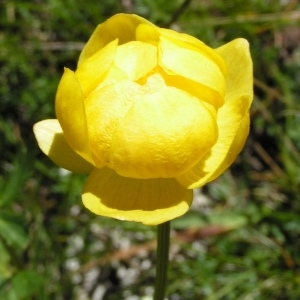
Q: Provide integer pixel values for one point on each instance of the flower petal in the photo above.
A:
(193, 65)
(149, 201)
(151, 34)
(239, 80)
(187, 41)
(119, 26)
(136, 59)
(93, 70)
(163, 135)
(70, 111)
(233, 124)
(147, 33)
(105, 108)
(51, 140)
(233, 117)
(202, 92)
(113, 76)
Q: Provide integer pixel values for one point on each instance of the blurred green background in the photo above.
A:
(241, 238)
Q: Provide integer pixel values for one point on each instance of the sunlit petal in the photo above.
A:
(163, 135)
(233, 117)
(233, 125)
(239, 80)
(105, 108)
(119, 26)
(70, 111)
(150, 201)
(51, 140)
(95, 68)
(151, 34)
(136, 59)
(148, 33)
(183, 40)
(202, 92)
(193, 65)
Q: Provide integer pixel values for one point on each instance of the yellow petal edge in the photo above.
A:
(51, 140)
(149, 201)
(70, 111)
(233, 117)
(120, 26)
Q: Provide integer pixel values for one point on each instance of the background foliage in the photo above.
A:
(240, 240)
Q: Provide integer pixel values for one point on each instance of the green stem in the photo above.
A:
(162, 260)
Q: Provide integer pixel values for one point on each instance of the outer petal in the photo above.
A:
(163, 135)
(151, 34)
(233, 124)
(70, 111)
(136, 59)
(105, 108)
(150, 201)
(93, 70)
(120, 26)
(233, 117)
(239, 81)
(202, 92)
(187, 41)
(51, 140)
(192, 47)
(147, 33)
(193, 65)
(114, 76)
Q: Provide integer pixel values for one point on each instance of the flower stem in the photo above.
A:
(162, 260)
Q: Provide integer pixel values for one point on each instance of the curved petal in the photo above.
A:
(233, 116)
(149, 201)
(105, 108)
(163, 135)
(136, 59)
(93, 70)
(51, 140)
(233, 124)
(235, 147)
(202, 92)
(151, 34)
(239, 80)
(119, 26)
(113, 76)
(187, 41)
(193, 65)
(147, 33)
(70, 111)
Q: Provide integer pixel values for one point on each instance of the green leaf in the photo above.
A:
(11, 231)
(24, 285)
(190, 219)
(13, 184)
(229, 219)
(6, 270)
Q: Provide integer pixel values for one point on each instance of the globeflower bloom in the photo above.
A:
(149, 114)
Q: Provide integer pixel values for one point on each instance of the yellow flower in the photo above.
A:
(149, 114)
